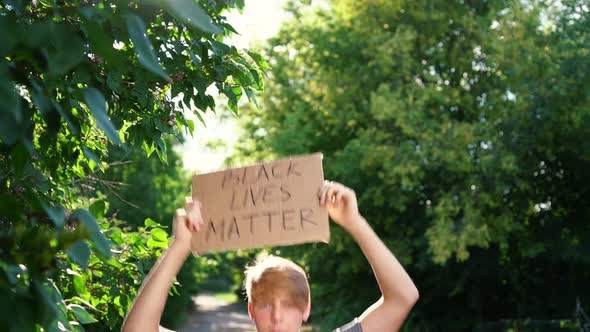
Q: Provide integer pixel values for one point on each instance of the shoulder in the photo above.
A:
(354, 326)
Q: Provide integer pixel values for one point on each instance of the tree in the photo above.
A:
(76, 79)
(139, 187)
(462, 128)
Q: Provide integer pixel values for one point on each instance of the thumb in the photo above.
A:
(180, 218)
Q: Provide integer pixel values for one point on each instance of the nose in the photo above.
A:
(276, 312)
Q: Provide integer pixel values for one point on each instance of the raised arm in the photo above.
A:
(148, 306)
(399, 294)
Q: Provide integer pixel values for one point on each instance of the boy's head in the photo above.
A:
(278, 294)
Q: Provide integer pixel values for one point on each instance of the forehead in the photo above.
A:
(280, 281)
(274, 295)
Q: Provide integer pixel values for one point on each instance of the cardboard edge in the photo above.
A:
(258, 163)
(205, 252)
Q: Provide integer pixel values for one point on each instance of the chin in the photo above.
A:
(280, 329)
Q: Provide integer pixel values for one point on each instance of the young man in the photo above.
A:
(278, 292)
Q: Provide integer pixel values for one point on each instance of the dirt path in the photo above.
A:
(214, 315)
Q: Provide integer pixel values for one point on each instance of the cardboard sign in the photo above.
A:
(268, 204)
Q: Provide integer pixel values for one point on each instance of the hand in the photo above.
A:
(187, 221)
(341, 203)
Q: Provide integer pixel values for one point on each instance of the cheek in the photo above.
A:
(261, 316)
(295, 317)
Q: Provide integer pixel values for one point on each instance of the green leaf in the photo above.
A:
(67, 50)
(83, 74)
(9, 132)
(190, 124)
(115, 263)
(99, 240)
(153, 244)
(196, 61)
(258, 82)
(43, 103)
(38, 35)
(192, 13)
(71, 121)
(52, 298)
(8, 34)
(98, 208)
(143, 47)
(159, 235)
(13, 272)
(251, 97)
(9, 205)
(98, 107)
(233, 95)
(161, 149)
(55, 213)
(81, 314)
(149, 222)
(9, 110)
(259, 60)
(149, 148)
(115, 235)
(90, 155)
(229, 28)
(100, 41)
(20, 158)
(220, 48)
(79, 253)
(79, 283)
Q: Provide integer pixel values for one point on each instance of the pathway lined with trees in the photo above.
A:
(215, 315)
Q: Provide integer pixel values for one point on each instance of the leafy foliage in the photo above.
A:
(76, 79)
(462, 127)
(103, 291)
(140, 189)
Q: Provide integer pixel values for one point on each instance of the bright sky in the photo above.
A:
(259, 21)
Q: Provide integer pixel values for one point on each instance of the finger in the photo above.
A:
(322, 192)
(199, 221)
(331, 195)
(188, 224)
(188, 204)
(339, 196)
(195, 223)
(326, 194)
(197, 214)
(179, 217)
(180, 214)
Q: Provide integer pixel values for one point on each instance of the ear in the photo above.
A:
(307, 311)
(250, 310)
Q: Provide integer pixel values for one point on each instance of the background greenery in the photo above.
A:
(462, 126)
(90, 89)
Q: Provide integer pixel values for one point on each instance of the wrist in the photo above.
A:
(181, 247)
(353, 223)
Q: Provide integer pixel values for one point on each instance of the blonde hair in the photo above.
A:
(271, 275)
